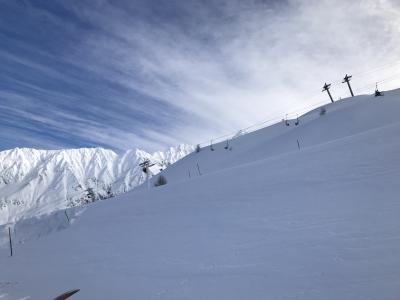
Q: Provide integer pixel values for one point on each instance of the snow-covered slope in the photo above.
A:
(343, 119)
(264, 220)
(35, 182)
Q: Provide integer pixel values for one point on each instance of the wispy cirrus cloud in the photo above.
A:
(124, 74)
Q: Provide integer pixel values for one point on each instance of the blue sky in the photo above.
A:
(149, 74)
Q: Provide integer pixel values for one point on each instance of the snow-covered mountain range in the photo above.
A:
(35, 182)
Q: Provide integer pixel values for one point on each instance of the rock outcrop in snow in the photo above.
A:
(35, 182)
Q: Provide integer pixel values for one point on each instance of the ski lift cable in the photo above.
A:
(377, 68)
(271, 121)
(365, 87)
(311, 106)
(372, 84)
(277, 119)
(371, 70)
(390, 78)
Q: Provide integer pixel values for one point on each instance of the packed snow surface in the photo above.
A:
(36, 182)
(264, 220)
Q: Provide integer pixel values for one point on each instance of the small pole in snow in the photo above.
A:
(9, 235)
(198, 169)
(65, 211)
(347, 79)
(189, 173)
(326, 88)
(97, 188)
(298, 144)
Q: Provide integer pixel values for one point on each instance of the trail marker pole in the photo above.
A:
(65, 211)
(9, 236)
(298, 144)
(326, 88)
(346, 79)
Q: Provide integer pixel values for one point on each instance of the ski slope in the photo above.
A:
(265, 220)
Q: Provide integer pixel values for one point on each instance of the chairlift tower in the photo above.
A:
(346, 79)
(326, 88)
(145, 165)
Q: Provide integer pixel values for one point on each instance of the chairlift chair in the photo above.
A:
(297, 121)
(377, 92)
(227, 145)
(287, 121)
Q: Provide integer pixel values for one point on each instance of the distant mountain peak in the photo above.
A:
(34, 182)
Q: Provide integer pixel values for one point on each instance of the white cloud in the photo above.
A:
(226, 65)
(252, 63)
